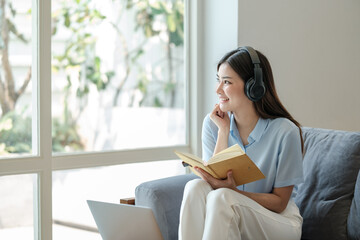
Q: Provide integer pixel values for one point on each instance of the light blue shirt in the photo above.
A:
(274, 146)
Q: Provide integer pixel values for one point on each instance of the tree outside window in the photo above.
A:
(109, 58)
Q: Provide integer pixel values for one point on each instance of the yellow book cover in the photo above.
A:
(234, 158)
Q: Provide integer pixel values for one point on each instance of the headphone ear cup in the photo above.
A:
(248, 86)
(254, 91)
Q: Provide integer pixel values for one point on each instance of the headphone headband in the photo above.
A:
(254, 87)
(253, 55)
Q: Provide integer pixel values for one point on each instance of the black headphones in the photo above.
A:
(254, 87)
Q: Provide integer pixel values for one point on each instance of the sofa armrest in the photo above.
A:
(164, 197)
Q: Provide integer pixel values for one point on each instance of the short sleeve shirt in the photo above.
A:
(274, 145)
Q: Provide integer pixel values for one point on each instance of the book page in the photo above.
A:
(233, 148)
(228, 153)
(189, 155)
(195, 161)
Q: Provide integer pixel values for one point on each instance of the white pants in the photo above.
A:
(225, 214)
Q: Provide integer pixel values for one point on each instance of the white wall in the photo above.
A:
(313, 47)
(219, 26)
(315, 54)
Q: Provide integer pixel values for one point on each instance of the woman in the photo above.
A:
(249, 113)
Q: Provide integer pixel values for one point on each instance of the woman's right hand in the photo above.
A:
(220, 118)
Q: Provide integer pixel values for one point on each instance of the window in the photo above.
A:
(118, 74)
(17, 206)
(83, 119)
(15, 78)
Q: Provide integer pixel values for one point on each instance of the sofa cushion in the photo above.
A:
(164, 197)
(331, 164)
(354, 216)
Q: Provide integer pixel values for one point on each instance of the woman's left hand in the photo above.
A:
(215, 183)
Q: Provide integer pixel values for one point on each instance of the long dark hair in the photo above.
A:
(270, 105)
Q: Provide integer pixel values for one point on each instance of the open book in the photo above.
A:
(234, 158)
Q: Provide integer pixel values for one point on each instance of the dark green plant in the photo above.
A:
(15, 135)
(65, 136)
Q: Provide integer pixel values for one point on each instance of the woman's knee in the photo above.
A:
(219, 196)
(226, 196)
(197, 186)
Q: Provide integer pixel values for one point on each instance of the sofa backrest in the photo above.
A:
(331, 167)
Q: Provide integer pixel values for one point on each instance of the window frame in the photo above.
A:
(43, 162)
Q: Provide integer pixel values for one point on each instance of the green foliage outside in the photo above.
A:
(77, 17)
(15, 133)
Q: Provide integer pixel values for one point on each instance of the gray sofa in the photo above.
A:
(329, 198)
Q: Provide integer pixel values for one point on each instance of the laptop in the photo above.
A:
(124, 222)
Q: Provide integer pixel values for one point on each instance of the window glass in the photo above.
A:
(117, 74)
(15, 78)
(17, 206)
(71, 189)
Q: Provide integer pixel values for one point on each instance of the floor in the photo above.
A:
(59, 233)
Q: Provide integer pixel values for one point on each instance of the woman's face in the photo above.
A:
(230, 90)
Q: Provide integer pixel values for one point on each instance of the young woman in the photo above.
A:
(249, 113)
